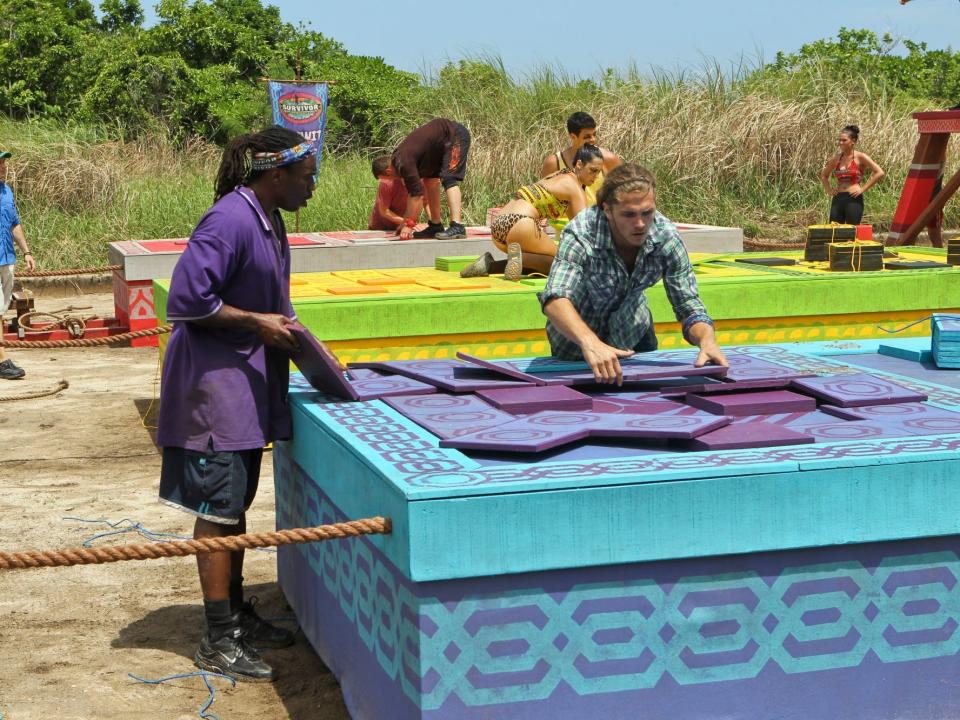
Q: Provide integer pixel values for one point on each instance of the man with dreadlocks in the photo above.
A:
(609, 255)
(226, 374)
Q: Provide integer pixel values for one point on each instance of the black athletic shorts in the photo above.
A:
(846, 209)
(455, 158)
(217, 486)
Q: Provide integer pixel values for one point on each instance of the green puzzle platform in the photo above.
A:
(419, 313)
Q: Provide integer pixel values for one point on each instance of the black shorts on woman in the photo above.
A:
(846, 209)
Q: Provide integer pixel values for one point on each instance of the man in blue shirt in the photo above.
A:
(10, 230)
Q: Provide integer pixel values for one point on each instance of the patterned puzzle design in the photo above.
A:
(416, 465)
(546, 430)
(450, 416)
(857, 390)
(622, 629)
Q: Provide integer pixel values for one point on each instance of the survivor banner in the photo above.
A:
(301, 107)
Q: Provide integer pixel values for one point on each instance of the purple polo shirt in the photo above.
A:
(222, 383)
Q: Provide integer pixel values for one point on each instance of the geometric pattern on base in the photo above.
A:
(489, 646)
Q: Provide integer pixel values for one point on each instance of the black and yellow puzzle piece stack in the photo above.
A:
(855, 256)
(953, 251)
(820, 236)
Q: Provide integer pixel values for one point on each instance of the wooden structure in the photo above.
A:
(919, 205)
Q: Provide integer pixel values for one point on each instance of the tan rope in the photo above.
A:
(182, 548)
(61, 386)
(69, 271)
(88, 342)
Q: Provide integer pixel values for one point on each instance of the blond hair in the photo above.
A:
(623, 179)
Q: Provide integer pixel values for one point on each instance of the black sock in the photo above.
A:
(236, 594)
(219, 618)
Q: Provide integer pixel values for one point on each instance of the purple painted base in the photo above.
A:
(854, 632)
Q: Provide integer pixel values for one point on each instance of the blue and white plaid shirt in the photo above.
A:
(590, 273)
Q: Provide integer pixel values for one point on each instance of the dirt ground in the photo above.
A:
(70, 636)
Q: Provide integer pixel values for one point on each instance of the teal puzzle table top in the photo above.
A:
(656, 502)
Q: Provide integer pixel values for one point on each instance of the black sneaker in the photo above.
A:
(231, 655)
(456, 231)
(430, 231)
(10, 371)
(261, 634)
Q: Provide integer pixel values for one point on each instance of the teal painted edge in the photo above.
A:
(706, 517)
(307, 404)
(359, 489)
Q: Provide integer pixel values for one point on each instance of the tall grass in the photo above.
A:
(741, 149)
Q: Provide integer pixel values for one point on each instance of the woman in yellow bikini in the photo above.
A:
(517, 229)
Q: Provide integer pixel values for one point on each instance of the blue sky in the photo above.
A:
(586, 36)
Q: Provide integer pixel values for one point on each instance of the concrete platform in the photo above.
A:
(369, 249)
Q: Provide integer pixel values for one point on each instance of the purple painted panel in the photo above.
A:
(372, 385)
(318, 365)
(634, 373)
(649, 403)
(449, 375)
(520, 436)
(913, 418)
(502, 368)
(827, 428)
(663, 427)
(728, 387)
(754, 403)
(747, 367)
(536, 398)
(856, 390)
(448, 416)
(749, 435)
(546, 430)
(842, 413)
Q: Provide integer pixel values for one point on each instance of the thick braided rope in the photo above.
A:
(62, 385)
(87, 342)
(70, 271)
(182, 548)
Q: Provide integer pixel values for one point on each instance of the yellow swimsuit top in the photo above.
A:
(544, 202)
(589, 190)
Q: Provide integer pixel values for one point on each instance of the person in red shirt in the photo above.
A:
(392, 197)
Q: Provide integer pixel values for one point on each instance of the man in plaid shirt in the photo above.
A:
(609, 255)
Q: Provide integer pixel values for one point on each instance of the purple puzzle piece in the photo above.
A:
(647, 403)
(727, 387)
(633, 373)
(526, 434)
(449, 416)
(547, 430)
(502, 368)
(915, 418)
(827, 428)
(318, 364)
(663, 427)
(449, 375)
(746, 367)
(856, 390)
(373, 385)
(749, 435)
(766, 402)
(536, 398)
